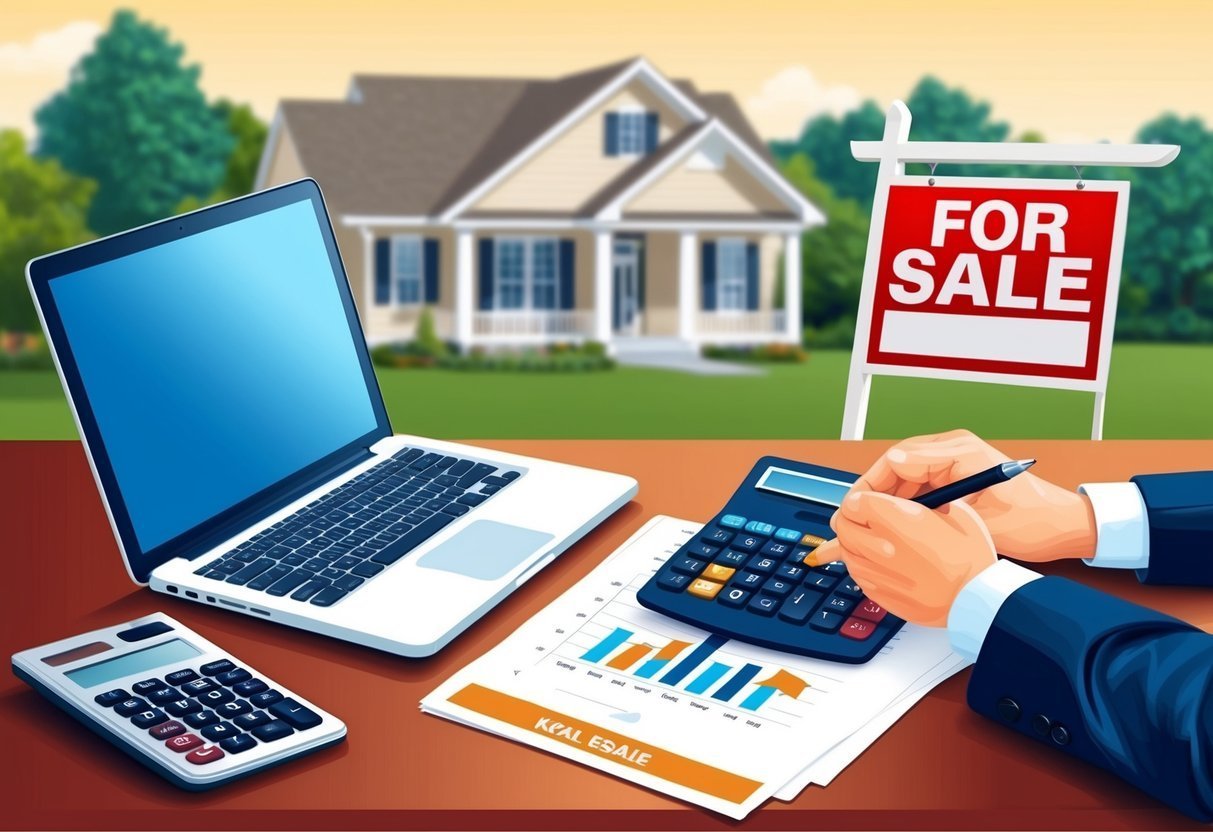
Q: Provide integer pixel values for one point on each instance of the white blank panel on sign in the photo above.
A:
(986, 338)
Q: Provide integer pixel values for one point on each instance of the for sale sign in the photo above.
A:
(998, 280)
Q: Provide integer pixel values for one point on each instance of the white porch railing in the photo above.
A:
(533, 323)
(767, 322)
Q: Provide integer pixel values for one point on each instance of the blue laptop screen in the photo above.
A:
(216, 365)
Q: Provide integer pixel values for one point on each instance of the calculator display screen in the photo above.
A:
(169, 652)
(804, 486)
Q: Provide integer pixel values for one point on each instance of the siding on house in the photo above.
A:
(284, 164)
(686, 188)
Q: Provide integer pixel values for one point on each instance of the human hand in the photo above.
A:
(1029, 518)
(909, 559)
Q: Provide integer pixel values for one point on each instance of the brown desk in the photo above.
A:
(940, 767)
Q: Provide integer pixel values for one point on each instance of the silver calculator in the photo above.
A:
(177, 703)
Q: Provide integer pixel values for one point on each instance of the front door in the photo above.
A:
(626, 269)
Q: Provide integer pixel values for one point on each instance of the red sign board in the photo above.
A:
(1014, 278)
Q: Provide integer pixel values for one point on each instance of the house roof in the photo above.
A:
(415, 145)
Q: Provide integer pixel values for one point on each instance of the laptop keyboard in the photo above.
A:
(334, 545)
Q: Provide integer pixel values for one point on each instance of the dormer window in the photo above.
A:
(630, 133)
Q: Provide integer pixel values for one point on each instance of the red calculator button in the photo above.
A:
(167, 729)
(202, 756)
(183, 742)
(869, 610)
(857, 628)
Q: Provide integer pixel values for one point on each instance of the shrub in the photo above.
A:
(24, 351)
(764, 354)
(557, 358)
(837, 334)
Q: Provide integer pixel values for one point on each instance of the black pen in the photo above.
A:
(954, 491)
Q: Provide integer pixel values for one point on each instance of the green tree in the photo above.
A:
(827, 139)
(42, 208)
(248, 136)
(133, 118)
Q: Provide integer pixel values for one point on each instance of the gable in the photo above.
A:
(563, 175)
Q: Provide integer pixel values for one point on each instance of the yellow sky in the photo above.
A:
(1074, 70)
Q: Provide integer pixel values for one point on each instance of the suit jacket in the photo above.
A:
(1180, 512)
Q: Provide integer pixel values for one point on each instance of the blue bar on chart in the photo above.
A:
(758, 698)
(663, 657)
(736, 682)
(603, 648)
(708, 678)
(696, 657)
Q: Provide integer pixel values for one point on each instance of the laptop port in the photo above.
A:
(189, 593)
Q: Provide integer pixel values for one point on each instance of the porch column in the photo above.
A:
(688, 268)
(792, 296)
(368, 273)
(463, 288)
(602, 287)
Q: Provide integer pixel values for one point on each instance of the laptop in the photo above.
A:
(227, 403)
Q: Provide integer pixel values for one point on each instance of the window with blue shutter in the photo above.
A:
(568, 274)
(707, 269)
(732, 274)
(751, 276)
(383, 272)
(430, 258)
(650, 132)
(611, 134)
(630, 133)
(486, 273)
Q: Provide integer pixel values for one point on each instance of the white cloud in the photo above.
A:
(52, 51)
(792, 96)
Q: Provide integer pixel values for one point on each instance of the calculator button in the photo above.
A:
(869, 610)
(717, 537)
(182, 707)
(758, 527)
(183, 742)
(275, 729)
(748, 543)
(299, 716)
(251, 720)
(143, 631)
(777, 587)
(220, 731)
(704, 589)
(265, 698)
(732, 521)
(839, 604)
(149, 718)
(734, 596)
(221, 666)
(202, 756)
(812, 541)
(215, 697)
(762, 564)
(238, 743)
(798, 555)
(732, 558)
(791, 572)
(788, 535)
(687, 566)
(716, 572)
(764, 605)
(147, 686)
(249, 687)
(857, 629)
(130, 706)
(201, 719)
(167, 729)
(231, 677)
(775, 549)
(231, 709)
(180, 677)
(673, 581)
(749, 580)
(799, 606)
(198, 686)
(823, 582)
(702, 551)
(111, 697)
(849, 588)
(836, 567)
(826, 621)
(159, 697)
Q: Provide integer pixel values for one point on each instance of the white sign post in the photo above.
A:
(1009, 281)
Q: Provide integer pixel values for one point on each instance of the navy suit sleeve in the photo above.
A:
(1120, 686)
(1180, 512)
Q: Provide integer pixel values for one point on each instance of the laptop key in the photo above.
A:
(455, 510)
(305, 592)
(472, 499)
(425, 462)
(251, 571)
(411, 540)
(290, 582)
(478, 472)
(367, 569)
(348, 583)
(327, 597)
(346, 562)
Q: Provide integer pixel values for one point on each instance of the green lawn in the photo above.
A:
(1157, 391)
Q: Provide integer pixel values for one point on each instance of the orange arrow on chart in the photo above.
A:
(785, 683)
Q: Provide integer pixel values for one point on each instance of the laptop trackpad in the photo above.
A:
(485, 550)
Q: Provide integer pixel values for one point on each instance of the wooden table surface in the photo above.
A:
(940, 767)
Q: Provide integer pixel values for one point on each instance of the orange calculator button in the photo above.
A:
(716, 572)
(706, 590)
(812, 540)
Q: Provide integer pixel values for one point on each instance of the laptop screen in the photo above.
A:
(217, 364)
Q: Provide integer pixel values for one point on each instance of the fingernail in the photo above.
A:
(811, 560)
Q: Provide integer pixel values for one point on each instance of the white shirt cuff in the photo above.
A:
(1123, 531)
(978, 603)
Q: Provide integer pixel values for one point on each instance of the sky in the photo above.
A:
(1072, 69)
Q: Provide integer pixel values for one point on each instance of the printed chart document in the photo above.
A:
(602, 681)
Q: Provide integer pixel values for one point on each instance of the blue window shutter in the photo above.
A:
(707, 268)
(383, 272)
(568, 274)
(641, 278)
(650, 132)
(611, 137)
(486, 273)
(431, 269)
(751, 276)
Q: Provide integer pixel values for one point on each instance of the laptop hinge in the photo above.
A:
(257, 513)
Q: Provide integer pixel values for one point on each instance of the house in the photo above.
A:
(613, 205)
